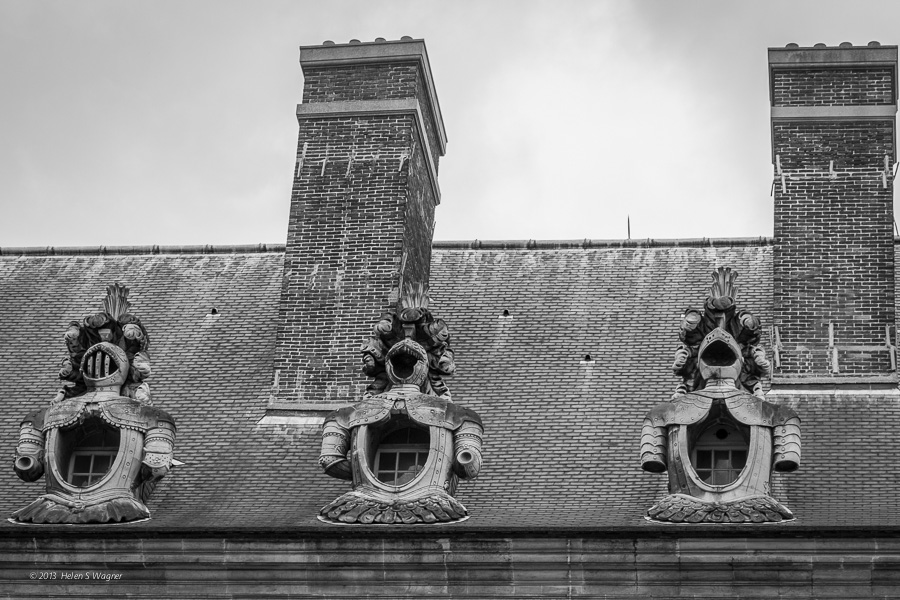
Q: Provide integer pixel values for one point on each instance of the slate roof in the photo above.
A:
(561, 442)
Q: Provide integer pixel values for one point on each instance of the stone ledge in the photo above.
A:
(873, 385)
(304, 414)
(819, 113)
(813, 58)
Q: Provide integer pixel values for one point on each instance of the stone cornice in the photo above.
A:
(400, 106)
(821, 113)
(840, 57)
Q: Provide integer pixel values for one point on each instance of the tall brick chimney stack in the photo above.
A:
(833, 139)
(362, 210)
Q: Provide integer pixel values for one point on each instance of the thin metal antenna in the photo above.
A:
(629, 226)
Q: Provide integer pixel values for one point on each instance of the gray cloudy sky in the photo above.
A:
(172, 122)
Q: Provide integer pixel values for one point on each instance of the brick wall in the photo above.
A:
(362, 209)
(833, 87)
(833, 252)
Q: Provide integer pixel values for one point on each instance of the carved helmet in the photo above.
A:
(720, 356)
(407, 363)
(104, 365)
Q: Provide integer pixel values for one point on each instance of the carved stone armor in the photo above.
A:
(101, 452)
(404, 449)
(725, 480)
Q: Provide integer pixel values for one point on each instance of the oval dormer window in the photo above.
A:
(719, 449)
(402, 453)
(86, 453)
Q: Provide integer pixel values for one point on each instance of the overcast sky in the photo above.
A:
(174, 122)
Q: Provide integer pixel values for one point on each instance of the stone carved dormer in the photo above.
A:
(406, 444)
(101, 444)
(718, 441)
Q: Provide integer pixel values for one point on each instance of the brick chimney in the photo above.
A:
(362, 211)
(833, 140)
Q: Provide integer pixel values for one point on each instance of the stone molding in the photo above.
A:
(868, 56)
(823, 113)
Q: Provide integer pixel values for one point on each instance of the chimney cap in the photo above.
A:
(820, 55)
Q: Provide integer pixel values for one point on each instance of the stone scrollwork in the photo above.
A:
(101, 444)
(406, 444)
(717, 438)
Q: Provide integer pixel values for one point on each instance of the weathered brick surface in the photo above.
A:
(834, 253)
(833, 87)
(360, 226)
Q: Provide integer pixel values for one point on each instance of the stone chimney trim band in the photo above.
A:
(400, 106)
(380, 52)
(834, 56)
(816, 113)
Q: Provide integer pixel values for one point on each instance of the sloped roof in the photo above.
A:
(562, 434)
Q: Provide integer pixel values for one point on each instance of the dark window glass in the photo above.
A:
(720, 453)
(86, 452)
(401, 455)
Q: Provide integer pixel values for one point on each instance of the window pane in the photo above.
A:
(704, 475)
(387, 461)
(721, 459)
(738, 458)
(722, 477)
(408, 476)
(80, 480)
(101, 464)
(407, 460)
(704, 459)
(82, 463)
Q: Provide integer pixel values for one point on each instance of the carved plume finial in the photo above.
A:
(415, 295)
(116, 302)
(723, 283)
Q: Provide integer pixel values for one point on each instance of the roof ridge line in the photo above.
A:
(592, 243)
(155, 249)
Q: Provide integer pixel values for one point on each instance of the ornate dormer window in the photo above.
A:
(406, 445)
(101, 444)
(88, 451)
(719, 448)
(402, 452)
(717, 437)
